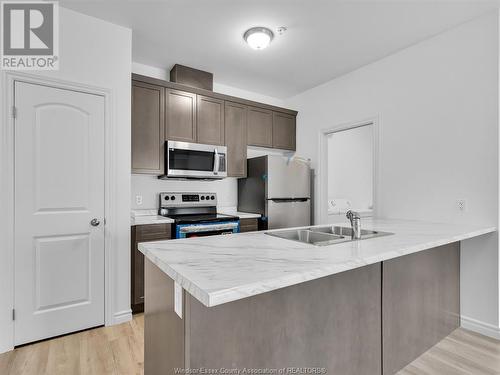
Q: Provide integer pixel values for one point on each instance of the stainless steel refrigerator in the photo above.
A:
(279, 189)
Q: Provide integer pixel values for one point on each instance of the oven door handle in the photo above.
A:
(216, 161)
(207, 228)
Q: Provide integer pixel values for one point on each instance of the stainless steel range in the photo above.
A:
(195, 215)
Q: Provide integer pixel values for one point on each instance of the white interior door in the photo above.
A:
(59, 189)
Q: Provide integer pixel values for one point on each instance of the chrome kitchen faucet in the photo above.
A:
(355, 219)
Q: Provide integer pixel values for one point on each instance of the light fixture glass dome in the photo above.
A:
(258, 37)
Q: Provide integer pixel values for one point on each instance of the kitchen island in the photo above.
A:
(261, 303)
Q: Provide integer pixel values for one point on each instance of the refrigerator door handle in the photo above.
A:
(288, 200)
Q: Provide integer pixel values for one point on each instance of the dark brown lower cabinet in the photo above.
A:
(249, 225)
(143, 233)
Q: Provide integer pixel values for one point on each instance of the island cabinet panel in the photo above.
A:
(143, 233)
(420, 303)
(181, 116)
(284, 131)
(235, 116)
(148, 110)
(260, 127)
(164, 337)
(332, 322)
(209, 120)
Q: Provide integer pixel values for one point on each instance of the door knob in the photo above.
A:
(95, 222)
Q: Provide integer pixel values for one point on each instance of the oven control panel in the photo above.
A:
(188, 199)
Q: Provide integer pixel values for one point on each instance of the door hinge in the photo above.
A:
(13, 314)
(14, 112)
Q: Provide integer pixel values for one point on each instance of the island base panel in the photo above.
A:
(420, 304)
(332, 322)
(370, 320)
(163, 328)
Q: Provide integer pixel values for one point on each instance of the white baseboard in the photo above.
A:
(477, 326)
(122, 317)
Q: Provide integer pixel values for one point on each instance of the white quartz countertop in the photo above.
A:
(144, 217)
(242, 215)
(221, 269)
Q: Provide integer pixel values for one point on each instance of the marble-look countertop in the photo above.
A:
(144, 217)
(234, 212)
(221, 269)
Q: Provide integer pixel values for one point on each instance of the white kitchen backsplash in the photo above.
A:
(150, 186)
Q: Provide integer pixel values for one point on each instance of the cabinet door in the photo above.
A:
(249, 225)
(260, 127)
(209, 120)
(235, 116)
(143, 233)
(283, 131)
(181, 116)
(148, 109)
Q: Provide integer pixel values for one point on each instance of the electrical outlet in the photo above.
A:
(138, 200)
(461, 204)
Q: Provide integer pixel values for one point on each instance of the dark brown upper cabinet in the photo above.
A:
(181, 116)
(235, 116)
(260, 127)
(148, 110)
(209, 120)
(284, 131)
(163, 110)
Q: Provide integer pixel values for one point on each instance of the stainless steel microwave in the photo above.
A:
(194, 160)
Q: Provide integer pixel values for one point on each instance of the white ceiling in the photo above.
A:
(325, 39)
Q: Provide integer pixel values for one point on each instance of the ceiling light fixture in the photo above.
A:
(258, 37)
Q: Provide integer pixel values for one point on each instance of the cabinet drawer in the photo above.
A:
(153, 232)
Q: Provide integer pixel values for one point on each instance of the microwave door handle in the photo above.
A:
(216, 161)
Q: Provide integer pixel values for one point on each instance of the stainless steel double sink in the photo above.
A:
(325, 235)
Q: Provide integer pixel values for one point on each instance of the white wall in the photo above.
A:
(164, 74)
(97, 53)
(350, 166)
(227, 190)
(437, 105)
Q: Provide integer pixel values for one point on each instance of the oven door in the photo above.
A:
(193, 160)
(206, 229)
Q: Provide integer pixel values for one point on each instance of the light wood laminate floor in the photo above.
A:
(119, 350)
(100, 351)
